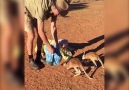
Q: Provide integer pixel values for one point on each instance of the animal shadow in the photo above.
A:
(90, 64)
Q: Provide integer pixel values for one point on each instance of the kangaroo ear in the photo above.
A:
(84, 53)
(83, 56)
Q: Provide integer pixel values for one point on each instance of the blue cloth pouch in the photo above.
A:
(53, 58)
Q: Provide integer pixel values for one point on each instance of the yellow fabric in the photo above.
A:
(44, 46)
(65, 53)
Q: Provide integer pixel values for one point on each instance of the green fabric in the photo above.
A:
(39, 9)
(65, 53)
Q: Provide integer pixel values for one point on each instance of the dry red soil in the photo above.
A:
(84, 28)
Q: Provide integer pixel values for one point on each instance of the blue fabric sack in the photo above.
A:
(53, 58)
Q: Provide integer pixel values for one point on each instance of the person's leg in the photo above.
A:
(39, 44)
(39, 48)
(30, 38)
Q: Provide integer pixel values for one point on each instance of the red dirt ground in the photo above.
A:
(85, 22)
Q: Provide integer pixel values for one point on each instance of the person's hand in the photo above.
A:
(51, 50)
(57, 46)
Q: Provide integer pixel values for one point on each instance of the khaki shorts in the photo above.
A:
(30, 22)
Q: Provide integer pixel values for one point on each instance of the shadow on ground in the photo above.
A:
(108, 41)
(78, 6)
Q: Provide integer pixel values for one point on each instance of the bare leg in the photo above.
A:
(39, 43)
(94, 63)
(30, 39)
(77, 72)
(85, 72)
(39, 48)
(101, 62)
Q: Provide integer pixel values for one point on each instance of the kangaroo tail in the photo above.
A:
(85, 72)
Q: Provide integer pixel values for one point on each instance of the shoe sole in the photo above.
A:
(33, 67)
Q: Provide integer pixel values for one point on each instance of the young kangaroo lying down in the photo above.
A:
(113, 66)
(76, 64)
(93, 57)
